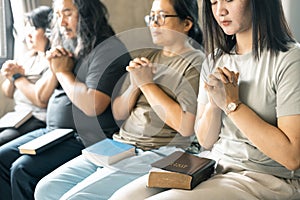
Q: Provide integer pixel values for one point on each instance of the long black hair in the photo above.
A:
(270, 29)
(188, 9)
(92, 27)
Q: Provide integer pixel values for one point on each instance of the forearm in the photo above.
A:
(169, 110)
(89, 101)
(8, 88)
(280, 144)
(29, 90)
(45, 87)
(124, 103)
(208, 125)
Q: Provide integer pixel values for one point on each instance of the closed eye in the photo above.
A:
(213, 2)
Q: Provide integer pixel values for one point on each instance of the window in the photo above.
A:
(6, 31)
(3, 32)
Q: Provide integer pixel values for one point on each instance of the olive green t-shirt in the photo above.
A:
(178, 77)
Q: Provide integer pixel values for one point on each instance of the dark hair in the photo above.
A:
(40, 17)
(270, 29)
(188, 9)
(92, 27)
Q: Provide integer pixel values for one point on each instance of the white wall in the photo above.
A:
(129, 14)
(292, 13)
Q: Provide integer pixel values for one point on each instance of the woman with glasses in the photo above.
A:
(250, 87)
(157, 102)
(23, 77)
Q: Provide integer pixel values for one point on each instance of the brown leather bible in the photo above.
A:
(180, 170)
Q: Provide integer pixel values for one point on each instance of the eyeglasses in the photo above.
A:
(159, 19)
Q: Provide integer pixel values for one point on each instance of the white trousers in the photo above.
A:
(80, 179)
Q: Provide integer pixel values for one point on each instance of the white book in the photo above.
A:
(46, 141)
(15, 119)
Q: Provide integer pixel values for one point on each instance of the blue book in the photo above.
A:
(108, 151)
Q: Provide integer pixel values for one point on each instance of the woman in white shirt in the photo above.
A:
(23, 78)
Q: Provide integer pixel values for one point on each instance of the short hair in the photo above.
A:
(270, 29)
(40, 17)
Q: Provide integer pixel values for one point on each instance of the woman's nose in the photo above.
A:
(221, 9)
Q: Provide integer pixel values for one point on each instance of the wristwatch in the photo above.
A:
(16, 76)
(231, 107)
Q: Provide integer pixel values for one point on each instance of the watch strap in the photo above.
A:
(16, 76)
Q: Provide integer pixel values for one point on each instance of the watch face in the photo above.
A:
(231, 106)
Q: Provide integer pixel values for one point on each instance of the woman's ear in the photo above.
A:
(188, 24)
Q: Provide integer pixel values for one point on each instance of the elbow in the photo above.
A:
(293, 165)
(42, 104)
(186, 125)
(118, 117)
(41, 101)
(205, 145)
(118, 113)
(186, 132)
(92, 112)
(293, 161)
(94, 106)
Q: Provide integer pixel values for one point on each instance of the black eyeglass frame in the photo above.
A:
(154, 18)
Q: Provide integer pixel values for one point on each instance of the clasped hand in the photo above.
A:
(141, 72)
(11, 67)
(222, 87)
(60, 60)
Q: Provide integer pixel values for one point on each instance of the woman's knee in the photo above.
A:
(136, 189)
(42, 189)
(19, 172)
(49, 188)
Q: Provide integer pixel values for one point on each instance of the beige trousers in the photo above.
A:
(243, 185)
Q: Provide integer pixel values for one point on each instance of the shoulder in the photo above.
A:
(283, 60)
(112, 46)
(289, 60)
(196, 56)
(108, 52)
(293, 53)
